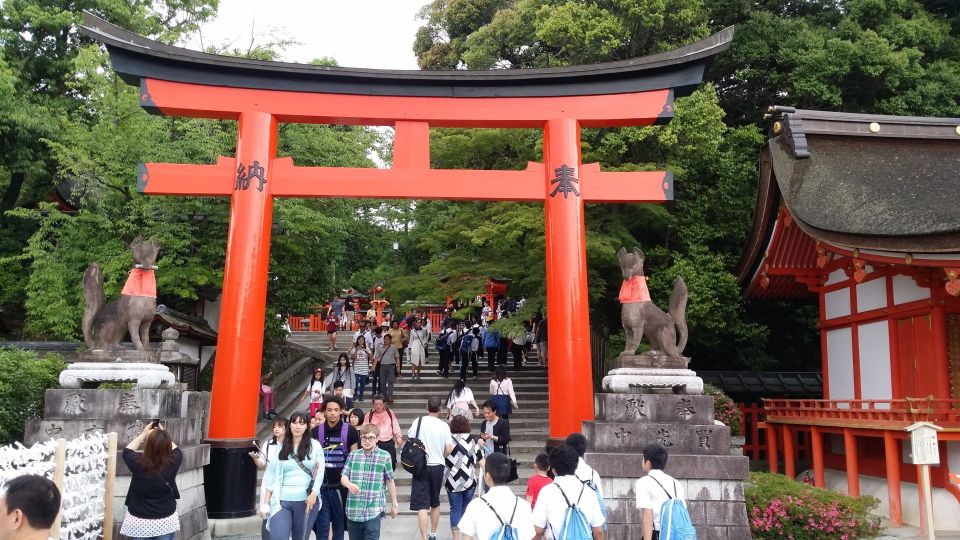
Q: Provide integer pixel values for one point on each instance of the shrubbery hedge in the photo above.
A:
(782, 508)
(24, 376)
(725, 409)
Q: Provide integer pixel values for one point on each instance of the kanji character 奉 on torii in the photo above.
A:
(178, 82)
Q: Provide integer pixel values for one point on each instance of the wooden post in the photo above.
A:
(59, 472)
(853, 466)
(111, 478)
(891, 452)
(789, 467)
(926, 496)
(816, 449)
(772, 456)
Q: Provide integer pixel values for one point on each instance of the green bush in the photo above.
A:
(725, 409)
(780, 507)
(24, 376)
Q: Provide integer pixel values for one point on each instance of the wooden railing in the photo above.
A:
(876, 412)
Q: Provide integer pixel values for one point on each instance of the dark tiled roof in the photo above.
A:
(748, 386)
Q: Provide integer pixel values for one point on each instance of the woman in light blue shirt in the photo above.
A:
(293, 481)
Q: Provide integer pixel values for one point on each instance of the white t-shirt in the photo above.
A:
(462, 401)
(652, 496)
(585, 472)
(551, 506)
(435, 434)
(479, 522)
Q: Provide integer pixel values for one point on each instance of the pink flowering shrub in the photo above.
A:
(725, 409)
(779, 507)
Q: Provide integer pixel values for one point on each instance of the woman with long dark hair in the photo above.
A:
(459, 400)
(293, 482)
(501, 393)
(344, 373)
(265, 455)
(152, 498)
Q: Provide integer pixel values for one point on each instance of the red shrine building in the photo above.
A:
(860, 213)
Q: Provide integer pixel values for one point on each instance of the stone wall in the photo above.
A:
(699, 458)
(69, 413)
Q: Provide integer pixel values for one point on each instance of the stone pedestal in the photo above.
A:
(699, 456)
(69, 413)
(145, 375)
(643, 380)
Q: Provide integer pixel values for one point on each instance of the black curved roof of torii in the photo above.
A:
(135, 57)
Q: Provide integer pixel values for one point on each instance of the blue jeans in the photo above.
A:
(458, 504)
(292, 520)
(331, 513)
(364, 530)
(361, 386)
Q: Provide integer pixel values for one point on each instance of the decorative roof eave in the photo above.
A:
(135, 57)
(187, 326)
(773, 220)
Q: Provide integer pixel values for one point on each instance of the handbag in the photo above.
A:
(514, 474)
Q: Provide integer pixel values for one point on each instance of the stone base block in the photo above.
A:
(662, 408)
(652, 359)
(677, 438)
(652, 381)
(182, 430)
(145, 375)
(135, 404)
(629, 465)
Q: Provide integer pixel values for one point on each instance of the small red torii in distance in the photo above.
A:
(259, 95)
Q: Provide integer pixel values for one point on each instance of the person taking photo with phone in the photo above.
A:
(152, 498)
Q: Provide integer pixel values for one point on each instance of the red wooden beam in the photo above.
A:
(226, 103)
(288, 180)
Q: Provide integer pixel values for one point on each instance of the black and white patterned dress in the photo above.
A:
(461, 470)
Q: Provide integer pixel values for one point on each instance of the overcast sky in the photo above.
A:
(357, 33)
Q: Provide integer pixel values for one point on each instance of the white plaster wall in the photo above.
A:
(946, 509)
(205, 355)
(872, 295)
(875, 376)
(190, 347)
(905, 289)
(836, 277)
(836, 303)
(211, 312)
(840, 363)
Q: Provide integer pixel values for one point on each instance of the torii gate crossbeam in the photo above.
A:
(179, 82)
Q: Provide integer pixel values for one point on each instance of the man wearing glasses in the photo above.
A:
(364, 475)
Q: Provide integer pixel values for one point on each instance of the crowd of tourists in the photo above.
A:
(333, 474)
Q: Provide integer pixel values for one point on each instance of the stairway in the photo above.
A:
(529, 426)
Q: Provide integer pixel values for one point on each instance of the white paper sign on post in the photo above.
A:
(923, 443)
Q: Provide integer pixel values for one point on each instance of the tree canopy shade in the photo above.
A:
(898, 57)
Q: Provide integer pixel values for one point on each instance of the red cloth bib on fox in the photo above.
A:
(634, 290)
(140, 282)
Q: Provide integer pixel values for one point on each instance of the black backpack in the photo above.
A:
(413, 456)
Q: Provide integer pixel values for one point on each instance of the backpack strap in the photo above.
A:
(490, 506)
(344, 441)
(665, 489)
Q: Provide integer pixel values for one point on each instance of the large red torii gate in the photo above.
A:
(179, 82)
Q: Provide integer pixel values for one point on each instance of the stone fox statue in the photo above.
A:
(666, 332)
(105, 324)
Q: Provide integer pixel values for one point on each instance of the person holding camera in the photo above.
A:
(152, 498)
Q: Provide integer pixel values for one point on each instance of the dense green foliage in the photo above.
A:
(66, 122)
(780, 507)
(24, 377)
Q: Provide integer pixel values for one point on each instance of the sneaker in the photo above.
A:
(432, 536)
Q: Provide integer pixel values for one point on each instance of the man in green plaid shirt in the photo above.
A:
(364, 475)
